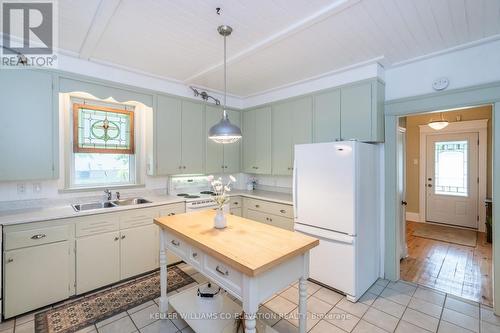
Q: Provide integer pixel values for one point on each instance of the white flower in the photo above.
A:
(232, 178)
(227, 188)
(210, 178)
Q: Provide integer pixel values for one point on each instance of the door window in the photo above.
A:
(451, 162)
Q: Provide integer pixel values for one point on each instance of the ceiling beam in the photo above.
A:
(103, 15)
(325, 12)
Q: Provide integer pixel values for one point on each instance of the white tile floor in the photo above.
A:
(386, 307)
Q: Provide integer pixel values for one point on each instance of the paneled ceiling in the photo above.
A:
(274, 43)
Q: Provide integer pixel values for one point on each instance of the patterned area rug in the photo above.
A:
(446, 234)
(90, 309)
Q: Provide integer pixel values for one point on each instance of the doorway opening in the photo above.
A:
(445, 185)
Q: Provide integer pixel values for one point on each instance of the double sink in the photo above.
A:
(109, 204)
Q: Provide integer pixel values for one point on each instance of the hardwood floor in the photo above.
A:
(456, 269)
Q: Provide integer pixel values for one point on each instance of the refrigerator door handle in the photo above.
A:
(294, 185)
(325, 234)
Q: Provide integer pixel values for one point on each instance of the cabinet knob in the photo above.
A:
(235, 203)
(257, 206)
(123, 236)
(10, 260)
(184, 167)
(117, 238)
(170, 214)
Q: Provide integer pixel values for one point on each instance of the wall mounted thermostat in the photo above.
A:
(441, 83)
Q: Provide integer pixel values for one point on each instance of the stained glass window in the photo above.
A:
(451, 166)
(102, 130)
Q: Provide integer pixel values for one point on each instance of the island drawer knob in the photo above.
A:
(39, 236)
(220, 271)
(117, 238)
(174, 242)
(195, 255)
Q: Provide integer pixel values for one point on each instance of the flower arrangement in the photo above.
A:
(221, 191)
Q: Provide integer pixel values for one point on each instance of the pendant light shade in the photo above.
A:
(224, 132)
(438, 124)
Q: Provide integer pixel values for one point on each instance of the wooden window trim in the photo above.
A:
(77, 149)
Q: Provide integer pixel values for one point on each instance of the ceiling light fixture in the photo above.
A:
(224, 132)
(438, 124)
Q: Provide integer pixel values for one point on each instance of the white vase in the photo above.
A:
(220, 221)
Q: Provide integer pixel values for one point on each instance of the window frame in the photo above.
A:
(70, 183)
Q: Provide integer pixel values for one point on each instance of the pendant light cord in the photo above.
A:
(224, 113)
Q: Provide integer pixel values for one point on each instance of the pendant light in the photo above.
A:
(438, 124)
(224, 132)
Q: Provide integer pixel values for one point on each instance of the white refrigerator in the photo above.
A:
(336, 198)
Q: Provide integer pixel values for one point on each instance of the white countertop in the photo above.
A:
(61, 211)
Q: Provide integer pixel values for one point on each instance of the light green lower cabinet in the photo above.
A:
(139, 249)
(271, 213)
(97, 261)
(36, 276)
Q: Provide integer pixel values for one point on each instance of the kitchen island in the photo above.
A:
(251, 260)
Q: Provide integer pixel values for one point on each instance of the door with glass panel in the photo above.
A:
(452, 179)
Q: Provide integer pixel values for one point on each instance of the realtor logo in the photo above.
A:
(28, 34)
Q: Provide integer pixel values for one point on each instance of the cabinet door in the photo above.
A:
(232, 150)
(263, 147)
(356, 106)
(139, 250)
(327, 116)
(36, 276)
(214, 153)
(235, 211)
(256, 216)
(282, 138)
(248, 141)
(167, 124)
(193, 138)
(29, 130)
(97, 261)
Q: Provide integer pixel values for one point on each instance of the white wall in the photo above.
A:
(464, 67)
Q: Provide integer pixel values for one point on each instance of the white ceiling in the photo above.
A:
(274, 43)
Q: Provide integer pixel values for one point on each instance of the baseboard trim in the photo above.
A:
(414, 217)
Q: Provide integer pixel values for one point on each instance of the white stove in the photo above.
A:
(195, 190)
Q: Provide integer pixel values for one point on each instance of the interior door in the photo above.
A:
(452, 179)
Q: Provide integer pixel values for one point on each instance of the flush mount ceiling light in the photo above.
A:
(438, 124)
(224, 131)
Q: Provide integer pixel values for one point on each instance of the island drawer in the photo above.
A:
(39, 236)
(96, 224)
(137, 217)
(195, 257)
(224, 275)
(177, 245)
(269, 207)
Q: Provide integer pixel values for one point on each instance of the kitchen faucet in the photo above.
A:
(109, 194)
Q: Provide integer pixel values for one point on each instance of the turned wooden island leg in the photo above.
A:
(250, 304)
(163, 276)
(302, 305)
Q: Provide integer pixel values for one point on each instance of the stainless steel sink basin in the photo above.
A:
(93, 205)
(130, 201)
(109, 204)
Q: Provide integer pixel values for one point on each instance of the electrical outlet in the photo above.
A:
(37, 187)
(21, 188)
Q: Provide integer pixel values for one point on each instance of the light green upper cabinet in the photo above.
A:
(167, 131)
(257, 141)
(193, 138)
(327, 116)
(232, 155)
(362, 112)
(29, 135)
(175, 137)
(214, 161)
(291, 125)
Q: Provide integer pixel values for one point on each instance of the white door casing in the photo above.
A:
(452, 179)
(401, 160)
(471, 126)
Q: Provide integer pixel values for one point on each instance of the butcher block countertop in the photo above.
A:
(249, 247)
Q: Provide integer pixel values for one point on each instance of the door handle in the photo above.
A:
(404, 203)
